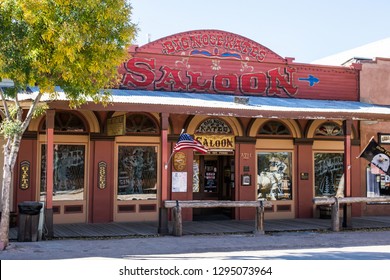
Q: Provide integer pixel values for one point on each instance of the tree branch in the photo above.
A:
(30, 112)
(6, 109)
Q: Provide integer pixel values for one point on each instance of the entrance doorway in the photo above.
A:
(215, 175)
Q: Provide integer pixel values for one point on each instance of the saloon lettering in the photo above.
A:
(216, 141)
(142, 73)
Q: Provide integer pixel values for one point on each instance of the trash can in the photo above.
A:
(28, 220)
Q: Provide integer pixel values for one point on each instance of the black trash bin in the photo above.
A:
(28, 220)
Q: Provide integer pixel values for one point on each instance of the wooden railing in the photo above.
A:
(335, 202)
(177, 205)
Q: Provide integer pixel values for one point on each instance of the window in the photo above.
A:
(137, 172)
(378, 183)
(274, 128)
(274, 172)
(195, 177)
(69, 171)
(329, 129)
(67, 122)
(328, 174)
(140, 123)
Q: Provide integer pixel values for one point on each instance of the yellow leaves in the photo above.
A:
(73, 44)
(32, 9)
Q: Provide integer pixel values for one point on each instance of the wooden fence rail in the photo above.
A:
(335, 202)
(177, 205)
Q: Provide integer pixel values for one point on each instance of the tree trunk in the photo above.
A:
(11, 150)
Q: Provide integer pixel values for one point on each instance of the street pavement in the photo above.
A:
(362, 244)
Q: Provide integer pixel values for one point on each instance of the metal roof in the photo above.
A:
(372, 50)
(230, 105)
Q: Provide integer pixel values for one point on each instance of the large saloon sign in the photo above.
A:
(212, 61)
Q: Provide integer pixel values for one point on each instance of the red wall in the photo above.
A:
(186, 212)
(101, 200)
(27, 152)
(212, 61)
(245, 158)
(304, 188)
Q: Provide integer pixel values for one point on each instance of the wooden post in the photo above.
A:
(347, 208)
(49, 223)
(177, 220)
(335, 215)
(259, 229)
(163, 212)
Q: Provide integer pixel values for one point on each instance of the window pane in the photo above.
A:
(378, 183)
(139, 123)
(329, 129)
(68, 172)
(274, 128)
(274, 175)
(329, 168)
(137, 172)
(195, 178)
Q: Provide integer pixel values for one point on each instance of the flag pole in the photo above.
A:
(368, 143)
(170, 157)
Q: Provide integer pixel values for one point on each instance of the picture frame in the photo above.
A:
(384, 138)
(246, 180)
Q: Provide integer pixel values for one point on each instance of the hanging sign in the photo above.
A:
(179, 161)
(102, 174)
(24, 182)
(225, 142)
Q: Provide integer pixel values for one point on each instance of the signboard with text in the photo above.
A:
(212, 61)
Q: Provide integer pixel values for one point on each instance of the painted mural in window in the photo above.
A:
(195, 176)
(274, 175)
(69, 172)
(328, 174)
(137, 172)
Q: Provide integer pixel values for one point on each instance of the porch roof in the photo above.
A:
(229, 105)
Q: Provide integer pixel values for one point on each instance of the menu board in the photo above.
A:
(210, 177)
(179, 181)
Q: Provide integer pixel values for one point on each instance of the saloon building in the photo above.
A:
(274, 129)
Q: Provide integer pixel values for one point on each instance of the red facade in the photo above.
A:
(220, 64)
(210, 61)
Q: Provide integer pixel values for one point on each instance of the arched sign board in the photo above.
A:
(218, 62)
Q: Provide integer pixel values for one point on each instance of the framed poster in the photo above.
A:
(384, 138)
(179, 181)
(246, 180)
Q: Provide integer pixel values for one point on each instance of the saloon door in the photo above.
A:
(215, 182)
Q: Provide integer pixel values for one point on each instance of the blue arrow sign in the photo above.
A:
(311, 79)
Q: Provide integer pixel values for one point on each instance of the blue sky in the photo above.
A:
(306, 30)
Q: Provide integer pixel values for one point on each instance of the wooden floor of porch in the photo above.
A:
(150, 229)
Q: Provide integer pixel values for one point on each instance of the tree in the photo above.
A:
(76, 45)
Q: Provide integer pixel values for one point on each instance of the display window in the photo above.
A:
(137, 172)
(378, 183)
(328, 174)
(69, 172)
(274, 175)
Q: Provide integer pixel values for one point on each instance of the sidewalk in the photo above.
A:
(170, 247)
(134, 240)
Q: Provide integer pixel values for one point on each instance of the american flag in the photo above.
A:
(187, 142)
